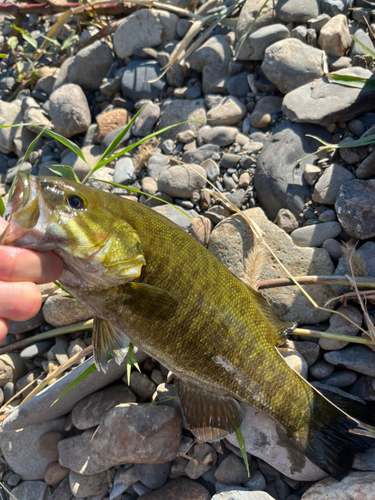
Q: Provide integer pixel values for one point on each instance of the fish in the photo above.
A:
(145, 279)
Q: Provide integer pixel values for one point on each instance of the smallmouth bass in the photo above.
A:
(141, 275)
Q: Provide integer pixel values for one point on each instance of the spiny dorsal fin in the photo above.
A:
(281, 328)
(149, 301)
(107, 339)
(210, 416)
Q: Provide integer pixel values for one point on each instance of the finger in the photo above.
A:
(19, 301)
(20, 264)
(3, 329)
(3, 223)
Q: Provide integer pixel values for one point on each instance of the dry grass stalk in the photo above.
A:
(144, 152)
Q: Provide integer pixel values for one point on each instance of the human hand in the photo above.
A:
(20, 270)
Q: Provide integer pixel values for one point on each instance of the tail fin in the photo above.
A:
(334, 438)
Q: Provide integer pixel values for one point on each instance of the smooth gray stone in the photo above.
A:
(323, 103)
(201, 154)
(153, 475)
(257, 42)
(175, 215)
(38, 348)
(135, 81)
(340, 379)
(35, 490)
(358, 358)
(355, 208)
(277, 182)
(334, 7)
(39, 408)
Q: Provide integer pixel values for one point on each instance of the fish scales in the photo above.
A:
(140, 274)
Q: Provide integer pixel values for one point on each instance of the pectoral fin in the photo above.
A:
(149, 301)
(210, 416)
(107, 339)
(281, 328)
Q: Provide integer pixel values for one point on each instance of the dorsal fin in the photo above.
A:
(280, 328)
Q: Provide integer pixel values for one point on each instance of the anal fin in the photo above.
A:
(107, 339)
(210, 416)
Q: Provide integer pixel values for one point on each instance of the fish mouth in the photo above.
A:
(24, 213)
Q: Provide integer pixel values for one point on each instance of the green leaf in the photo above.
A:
(67, 41)
(116, 141)
(64, 171)
(245, 37)
(3, 56)
(29, 39)
(2, 206)
(51, 40)
(241, 444)
(132, 146)
(352, 81)
(135, 190)
(20, 65)
(63, 140)
(12, 42)
(16, 125)
(364, 47)
(75, 382)
(131, 360)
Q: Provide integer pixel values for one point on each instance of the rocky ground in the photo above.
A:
(256, 114)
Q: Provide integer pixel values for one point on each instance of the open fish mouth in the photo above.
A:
(26, 212)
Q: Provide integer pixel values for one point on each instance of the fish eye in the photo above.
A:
(76, 202)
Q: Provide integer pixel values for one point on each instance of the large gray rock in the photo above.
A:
(30, 451)
(300, 11)
(177, 111)
(232, 243)
(278, 183)
(117, 439)
(10, 114)
(228, 112)
(181, 181)
(138, 80)
(290, 63)
(329, 183)
(141, 29)
(356, 486)
(358, 358)
(355, 208)
(181, 488)
(39, 408)
(264, 440)
(316, 234)
(69, 110)
(75, 454)
(256, 43)
(90, 65)
(335, 37)
(212, 60)
(35, 490)
(324, 103)
(84, 487)
(90, 411)
(250, 11)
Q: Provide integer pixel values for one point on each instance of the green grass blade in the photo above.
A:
(3, 56)
(132, 146)
(64, 171)
(66, 142)
(75, 382)
(17, 125)
(131, 360)
(352, 81)
(366, 49)
(241, 444)
(29, 39)
(148, 195)
(51, 40)
(2, 206)
(246, 36)
(116, 141)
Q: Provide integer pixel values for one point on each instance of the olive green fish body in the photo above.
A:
(140, 274)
